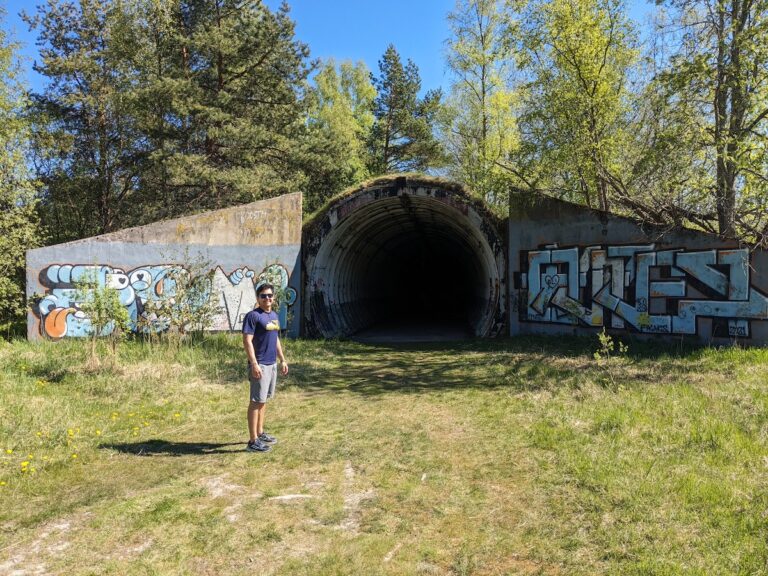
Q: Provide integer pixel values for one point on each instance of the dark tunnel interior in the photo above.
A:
(410, 267)
(424, 282)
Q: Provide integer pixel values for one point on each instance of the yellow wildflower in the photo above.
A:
(74, 455)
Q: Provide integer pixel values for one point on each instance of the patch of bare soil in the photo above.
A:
(352, 501)
(29, 558)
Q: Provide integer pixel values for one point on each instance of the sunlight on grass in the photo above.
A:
(521, 456)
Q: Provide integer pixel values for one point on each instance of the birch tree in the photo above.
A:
(577, 57)
(340, 120)
(719, 69)
(479, 130)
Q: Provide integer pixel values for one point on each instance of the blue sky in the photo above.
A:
(360, 30)
(342, 29)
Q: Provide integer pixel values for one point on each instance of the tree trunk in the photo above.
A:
(725, 193)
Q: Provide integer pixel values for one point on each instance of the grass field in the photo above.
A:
(521, 456)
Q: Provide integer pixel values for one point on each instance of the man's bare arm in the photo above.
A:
(250, 352)
(280, 355)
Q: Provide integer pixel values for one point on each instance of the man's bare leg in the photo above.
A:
(253, 420)
(261, 410)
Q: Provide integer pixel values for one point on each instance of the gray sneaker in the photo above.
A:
(267, 438)
(257, 446)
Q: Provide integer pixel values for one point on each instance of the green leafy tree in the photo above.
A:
(665, 171)
(478, 123)
(157, 108)
(191, 303)
(85, 120)
(19, 224)
(339, 126)
(577, 55)
(222, 103)
(107, 317)
(403, 138)
(718, 72)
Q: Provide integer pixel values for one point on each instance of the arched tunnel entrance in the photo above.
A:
(415, 257)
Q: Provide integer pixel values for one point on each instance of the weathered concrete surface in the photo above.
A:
(272, 222)
(404, 250)
(401, 253)
(245, 244)
(575, 270)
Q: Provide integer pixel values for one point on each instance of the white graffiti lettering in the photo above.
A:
(641, 288)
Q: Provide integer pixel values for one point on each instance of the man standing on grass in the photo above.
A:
(261, 338)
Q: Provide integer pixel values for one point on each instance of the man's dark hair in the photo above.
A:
(263, 287)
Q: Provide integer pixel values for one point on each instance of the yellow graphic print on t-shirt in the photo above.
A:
(273, 325)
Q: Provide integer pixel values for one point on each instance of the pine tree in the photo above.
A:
(156, 108)
(84, 117)
(402, 138)
(223, 103)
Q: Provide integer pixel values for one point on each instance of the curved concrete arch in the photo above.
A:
(401, 250)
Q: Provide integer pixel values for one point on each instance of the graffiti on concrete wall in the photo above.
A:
(640, 288)
(60, 315)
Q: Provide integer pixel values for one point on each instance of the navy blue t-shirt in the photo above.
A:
(265, 328)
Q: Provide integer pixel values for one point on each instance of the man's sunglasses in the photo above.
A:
(266, 295)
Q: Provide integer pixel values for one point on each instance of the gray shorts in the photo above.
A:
(263, 389)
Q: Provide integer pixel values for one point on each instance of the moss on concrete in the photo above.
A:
(411, 180)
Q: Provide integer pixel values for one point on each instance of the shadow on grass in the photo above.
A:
(425, 375)
(519, 364)
(157, 447)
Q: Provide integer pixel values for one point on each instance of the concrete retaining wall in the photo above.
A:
(246, 245)
(575, 270)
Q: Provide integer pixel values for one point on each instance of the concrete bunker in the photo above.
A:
(409, 256)
(425, 260)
